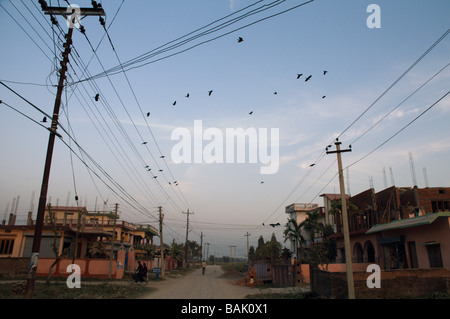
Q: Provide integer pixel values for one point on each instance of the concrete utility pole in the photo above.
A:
(187, 232)
(31, 277)
(207, 251)
(111, 255)
(248, 259)
(348, 252)
(163, 264)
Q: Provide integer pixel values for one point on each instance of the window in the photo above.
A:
(6, 246)
(435, 256)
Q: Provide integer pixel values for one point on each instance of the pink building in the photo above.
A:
(398, 228)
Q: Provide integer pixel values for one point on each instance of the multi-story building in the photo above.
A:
(398, 227)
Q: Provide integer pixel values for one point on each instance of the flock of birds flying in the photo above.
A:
(239, 40)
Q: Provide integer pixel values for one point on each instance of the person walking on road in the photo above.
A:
(203, 267)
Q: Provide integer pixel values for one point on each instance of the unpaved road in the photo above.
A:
(198, 286)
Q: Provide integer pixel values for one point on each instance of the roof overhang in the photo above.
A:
(410, 222)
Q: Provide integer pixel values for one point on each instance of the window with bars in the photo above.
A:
(6, 246)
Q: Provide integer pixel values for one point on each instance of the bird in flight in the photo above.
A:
(143, 143)
(307, 79)
(251, 113)
(174, 103)
(162, 156)
(148, 114)
(97, 96)
(240, 40)
(299, 75)
(187, 95)
(275, 93)
(210, 92)
(323, 97)
(312, 165)
(325, 72)
(262, 182)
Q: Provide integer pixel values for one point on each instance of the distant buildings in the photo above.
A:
(397, 228)
(78, 234)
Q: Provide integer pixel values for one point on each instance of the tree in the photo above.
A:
(176, 250)
(292, 232)
(55, 246)
(286, 254)
(251, 253)
(260, 252)
(312, 225)
(273, 248)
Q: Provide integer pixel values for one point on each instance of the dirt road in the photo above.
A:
(198, 286)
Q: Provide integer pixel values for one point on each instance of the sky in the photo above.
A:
(378, 83)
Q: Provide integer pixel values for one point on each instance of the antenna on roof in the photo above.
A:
(348, 180)
(392, 176)
(425, 176)
(413, 173)
(371, 182)
(384, 177)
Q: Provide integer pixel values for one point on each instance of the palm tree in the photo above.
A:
(293, 233)
(312, 224)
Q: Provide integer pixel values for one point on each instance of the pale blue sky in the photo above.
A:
(228, 199)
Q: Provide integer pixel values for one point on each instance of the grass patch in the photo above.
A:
(59, 290)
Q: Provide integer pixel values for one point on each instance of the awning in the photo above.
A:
(409, 222)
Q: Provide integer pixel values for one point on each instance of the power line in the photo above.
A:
(399, 131)
(127, 65)
(397, 80)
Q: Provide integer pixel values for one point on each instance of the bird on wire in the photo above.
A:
(97, 97)
(44, 120)
(273, 225)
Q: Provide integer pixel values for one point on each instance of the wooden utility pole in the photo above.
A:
(31, 277)
(348, 252)
(111, 255)
(161, 217)
(201, 246)
(187, 232)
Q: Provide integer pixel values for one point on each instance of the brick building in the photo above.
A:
(398, 227)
